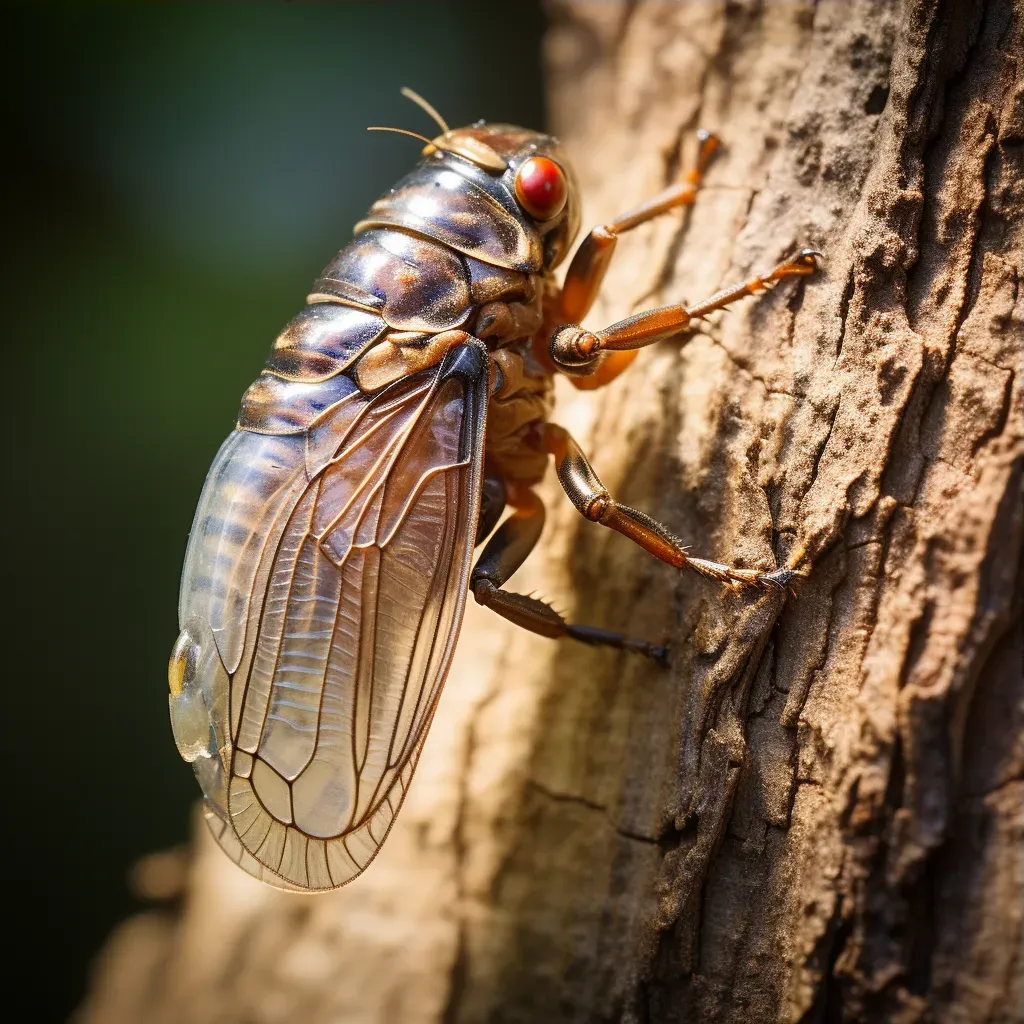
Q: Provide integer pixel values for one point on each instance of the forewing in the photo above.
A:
(352, 636)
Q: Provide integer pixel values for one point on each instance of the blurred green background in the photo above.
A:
(174, 179)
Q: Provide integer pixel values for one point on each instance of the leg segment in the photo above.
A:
(492, 504)
(591, 498)
(504, 553)
(576, 351)
(587, 269)
(590, 262)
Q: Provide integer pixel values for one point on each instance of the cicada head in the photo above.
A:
(534, 169)
(497, 193)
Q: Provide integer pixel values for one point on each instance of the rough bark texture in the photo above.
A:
(817, 814)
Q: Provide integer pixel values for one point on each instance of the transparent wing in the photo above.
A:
(351, 636)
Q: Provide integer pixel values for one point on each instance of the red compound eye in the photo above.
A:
(541, 188)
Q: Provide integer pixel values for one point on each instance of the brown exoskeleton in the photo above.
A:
(401, 412)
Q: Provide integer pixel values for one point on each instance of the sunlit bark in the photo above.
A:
(817, 813)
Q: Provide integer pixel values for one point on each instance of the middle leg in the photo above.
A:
(578, 352)
(592, 500)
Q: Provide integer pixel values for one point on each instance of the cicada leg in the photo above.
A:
(579, 352)
(592, 500)
(505, 553)
(591, 260)
(493, 496)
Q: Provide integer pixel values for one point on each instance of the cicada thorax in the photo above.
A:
(448, 240)
(464, 208)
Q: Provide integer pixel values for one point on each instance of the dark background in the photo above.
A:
(173, 180)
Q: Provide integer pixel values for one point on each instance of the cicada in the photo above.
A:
(403, 414)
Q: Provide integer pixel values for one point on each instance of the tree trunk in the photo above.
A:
(816, 813)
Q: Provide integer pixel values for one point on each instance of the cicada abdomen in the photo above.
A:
(324, 581)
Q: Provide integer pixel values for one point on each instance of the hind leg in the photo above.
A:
(504, 553)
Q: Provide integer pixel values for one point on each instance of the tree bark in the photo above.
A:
(817, 813)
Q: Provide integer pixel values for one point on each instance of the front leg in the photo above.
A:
(589, 264)
(592, 500)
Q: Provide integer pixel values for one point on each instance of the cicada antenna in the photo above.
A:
(425, 106)
(400, 131)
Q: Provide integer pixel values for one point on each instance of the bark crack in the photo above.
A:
(582, 801)
(747, 371)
